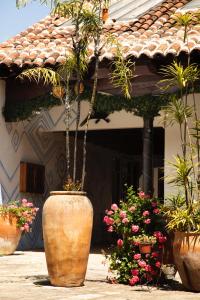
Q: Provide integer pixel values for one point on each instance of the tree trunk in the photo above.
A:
(148, 155)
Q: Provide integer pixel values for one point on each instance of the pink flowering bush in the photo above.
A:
(23, 210)
(137, 216)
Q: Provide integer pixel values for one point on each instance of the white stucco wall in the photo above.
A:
(27, 141)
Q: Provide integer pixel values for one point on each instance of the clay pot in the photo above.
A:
(186, 250)
(145, 248)
(9, 234)
(67, 227)
(105, 14)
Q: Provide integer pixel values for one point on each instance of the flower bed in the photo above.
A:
(137, 219)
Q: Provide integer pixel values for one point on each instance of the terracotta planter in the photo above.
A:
(145, 248)
(186, 250)
(67, 228)
(9, 234)
(105, 14)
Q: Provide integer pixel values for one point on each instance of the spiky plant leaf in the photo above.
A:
(178, 75)
(45, 75)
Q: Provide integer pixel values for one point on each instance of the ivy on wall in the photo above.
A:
(26, 109)
(105, 104)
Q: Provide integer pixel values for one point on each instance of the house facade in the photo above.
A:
(147, 32)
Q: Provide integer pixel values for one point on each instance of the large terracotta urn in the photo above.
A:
(67, 227)
(9, 234)
(186, 250)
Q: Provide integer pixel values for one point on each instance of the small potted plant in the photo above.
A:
(145, 243)
(15, 218)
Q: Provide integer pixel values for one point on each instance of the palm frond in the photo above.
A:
(122, 72)
(176, 112)
(45, 75)
(178, 75)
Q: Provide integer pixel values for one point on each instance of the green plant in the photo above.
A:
(23, 211)
(70, 185)
(185, 167)
(88, 28)
(144, 239)
(138, 218)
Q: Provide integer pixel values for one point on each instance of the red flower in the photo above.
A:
(145, 213)
(134, 280)
(135, 272)
(156, 211)
(110, 229)
(162, 239)
(120, 243)
(154, 254)
(137, 256)
(142, 263)
(108, 221)
(114, 207)
(154, 203)
(147, 221)
(158, 264)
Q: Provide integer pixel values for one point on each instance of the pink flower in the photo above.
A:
(134, 280)
(109, 212)
(147, 255)
(142, 263)
(108, 221)
(114, 207)
(154, 203)
(137, 256)
(135, 228)
(125, 220)
(147, 268)
(145, 213)
(156, 211)
(26, 227)
(135, 272)
(147, 221)
(162, 239)
(132, 209)
(141, 195)
(158, 264)
(24, 202)
(110, 229)
(120, 243)
(154, 254)
(122, 214)
(29, 204)
(157, 234)
(136, 243)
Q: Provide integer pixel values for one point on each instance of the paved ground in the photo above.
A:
(23, 276)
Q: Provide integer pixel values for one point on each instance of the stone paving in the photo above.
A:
(23, 275)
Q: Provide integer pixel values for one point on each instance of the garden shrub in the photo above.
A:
(137, 218)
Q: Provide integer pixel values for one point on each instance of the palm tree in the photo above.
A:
(87, 26)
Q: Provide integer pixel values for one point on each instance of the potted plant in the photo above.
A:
(135, 221)
(68, 214)
(145, 242)
(15, 218)
(184, 218)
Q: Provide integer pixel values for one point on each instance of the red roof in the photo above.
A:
(48, 41)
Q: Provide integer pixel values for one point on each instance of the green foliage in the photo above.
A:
(46, 75)
(178, 76)
(70, 185)
(179, 216)
(122, 73)
(137, 218)
(26, 109)
(176, 111)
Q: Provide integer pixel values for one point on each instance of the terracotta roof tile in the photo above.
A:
(48, 41)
